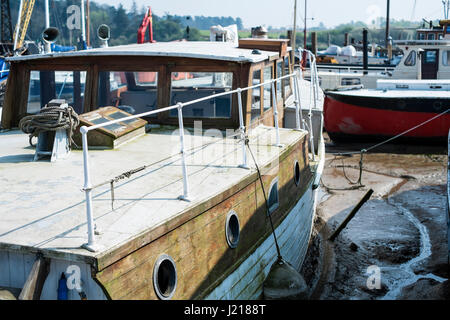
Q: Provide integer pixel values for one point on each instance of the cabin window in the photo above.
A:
(273, 200)
(421, 36)
(279, 82)
(256, 95)
(188, 86)
(430, 57)
(133, 92)
(411, 59)
(350, 81)
(446, 57)
(287, 82)
(48, 85)
(431, 36)
(267, 87)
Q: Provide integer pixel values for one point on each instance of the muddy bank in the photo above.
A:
(395, 247)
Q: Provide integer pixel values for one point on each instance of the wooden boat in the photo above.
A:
(151, 222)
(393, 108)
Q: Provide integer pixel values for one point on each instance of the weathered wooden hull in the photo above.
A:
(293, 235)
(206, 266)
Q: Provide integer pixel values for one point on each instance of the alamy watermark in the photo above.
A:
(374, 280)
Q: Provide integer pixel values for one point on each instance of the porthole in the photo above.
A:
(165, 277)
(273, 201)
(296, 173)
(232, 229)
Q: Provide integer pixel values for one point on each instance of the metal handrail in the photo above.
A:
(87, 188)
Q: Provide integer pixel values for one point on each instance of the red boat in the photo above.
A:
(395, 107)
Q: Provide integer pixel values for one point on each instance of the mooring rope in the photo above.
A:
(280, 258)
(51, 119)
(363, 151)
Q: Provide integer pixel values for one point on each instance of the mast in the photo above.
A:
(83, 25)
(387, 24)
(294, 31)
(304, 39)
(87, 24)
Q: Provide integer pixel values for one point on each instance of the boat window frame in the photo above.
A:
(206, 70)
(257, 67)
(290, 91)
(445, 58)
(269, 106)
(42, 67)
(409, 57)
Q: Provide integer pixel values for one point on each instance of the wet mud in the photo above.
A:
(395, 248)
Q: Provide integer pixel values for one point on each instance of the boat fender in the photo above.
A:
(62, 287)
(284, 282)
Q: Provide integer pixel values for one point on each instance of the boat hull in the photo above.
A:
(293, 235)
(376, 118)
(206, 266)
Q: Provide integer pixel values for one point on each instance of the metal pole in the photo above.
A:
(83, 26)
(297, 103)
(16, 36)
(313, 96)
(185, 195)
(88, 38)
(351, 215)
(88, 190)
(305, 38)
(387, 22)
(47, 15)
(242, 130)
(275, 115)
(294, 32)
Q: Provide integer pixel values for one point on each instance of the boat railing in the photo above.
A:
(87, 188)
(422, 42)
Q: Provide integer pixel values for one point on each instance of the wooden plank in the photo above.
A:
(16, 268)
(35, 281)
(4, 269)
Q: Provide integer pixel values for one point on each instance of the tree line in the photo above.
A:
(123, 23)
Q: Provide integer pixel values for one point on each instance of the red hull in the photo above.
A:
(351, 120)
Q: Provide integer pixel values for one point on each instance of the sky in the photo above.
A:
(280, 13)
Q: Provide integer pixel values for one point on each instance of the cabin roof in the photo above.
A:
(183, 49)
(44, 209)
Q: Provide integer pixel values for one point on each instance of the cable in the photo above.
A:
(280, 258)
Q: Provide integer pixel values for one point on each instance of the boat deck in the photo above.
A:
(44, 209)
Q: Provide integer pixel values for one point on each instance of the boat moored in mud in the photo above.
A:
(416, 109)
(181, 178)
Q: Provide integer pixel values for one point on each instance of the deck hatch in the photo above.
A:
(112, 135)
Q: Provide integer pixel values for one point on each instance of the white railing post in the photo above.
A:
(242, 130)
(91, 245)
(275, 115)
(185, 195)
(313, 85)
(298, 123)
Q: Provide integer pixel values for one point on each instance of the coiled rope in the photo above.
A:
(51, 119)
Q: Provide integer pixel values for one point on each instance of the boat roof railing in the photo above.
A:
(422, 42)
(91, 245)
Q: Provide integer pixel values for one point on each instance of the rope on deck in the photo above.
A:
(51, 119)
